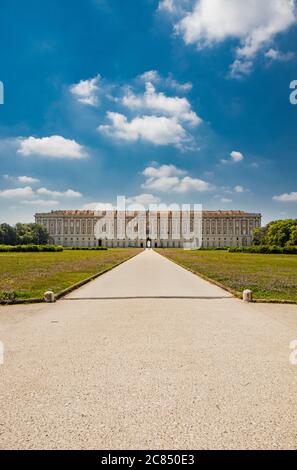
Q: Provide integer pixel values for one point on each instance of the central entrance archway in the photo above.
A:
(148, 243)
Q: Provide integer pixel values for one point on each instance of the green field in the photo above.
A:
(29, 275)
(270, 277)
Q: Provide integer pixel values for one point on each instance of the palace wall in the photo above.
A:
(219, 229)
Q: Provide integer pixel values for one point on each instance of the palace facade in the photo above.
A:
(217, 228)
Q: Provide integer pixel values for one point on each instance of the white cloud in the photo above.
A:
(26, 192)
(86, 91)
(52, 147)
(175, 8)
(192, 184)
(151, 115)
(27, 180)
(153, 76)
(155, 129)
(162, 184)
(41, 202)
(29, 196)
(162, 171)
(143, 199)
(97, 206)
(176, 107)
(240, 189)
(168, 178)
(253, 23)
(22, 179)
(240, 68)
(69, 193)
(141, 202)
(226, 200)
(182, 87)
(235, 157)
(150, 76)
(276, 55)
(287, 197)
(167, 5)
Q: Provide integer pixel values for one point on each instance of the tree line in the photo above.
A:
(281, 233)
(23, 234)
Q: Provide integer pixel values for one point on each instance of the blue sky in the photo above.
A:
(173, 101)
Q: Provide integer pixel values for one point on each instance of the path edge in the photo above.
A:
(236, 294)
(69, 289)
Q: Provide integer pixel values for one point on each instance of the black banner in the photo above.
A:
(147, 459)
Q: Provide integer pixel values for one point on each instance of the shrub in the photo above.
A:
(29, 248)
(265, 249)
(290, 250)
(50, 248)
(213, 248)
(7, 297)
(275, 250)
(89, 248)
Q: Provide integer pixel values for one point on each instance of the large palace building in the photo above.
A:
(218, 229)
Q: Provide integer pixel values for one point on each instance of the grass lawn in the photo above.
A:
(29, 275)
(270, 277)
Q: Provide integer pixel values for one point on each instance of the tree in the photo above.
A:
(31, 233)
(259, 235)
(277, 233)
(24, 234)
(7, 234)
(40, 235)
(293, 237)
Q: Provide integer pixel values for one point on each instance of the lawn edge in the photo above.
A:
(91, 278)
(69, 289)
(235, 293)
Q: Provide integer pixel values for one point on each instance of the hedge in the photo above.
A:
(29, 248)
(89, 248)
(265, 249)
(7, 297)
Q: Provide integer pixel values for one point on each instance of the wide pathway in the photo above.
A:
(149, 275)
(148, 356)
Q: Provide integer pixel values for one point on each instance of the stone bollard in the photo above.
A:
(247, 295)
(49, 297)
